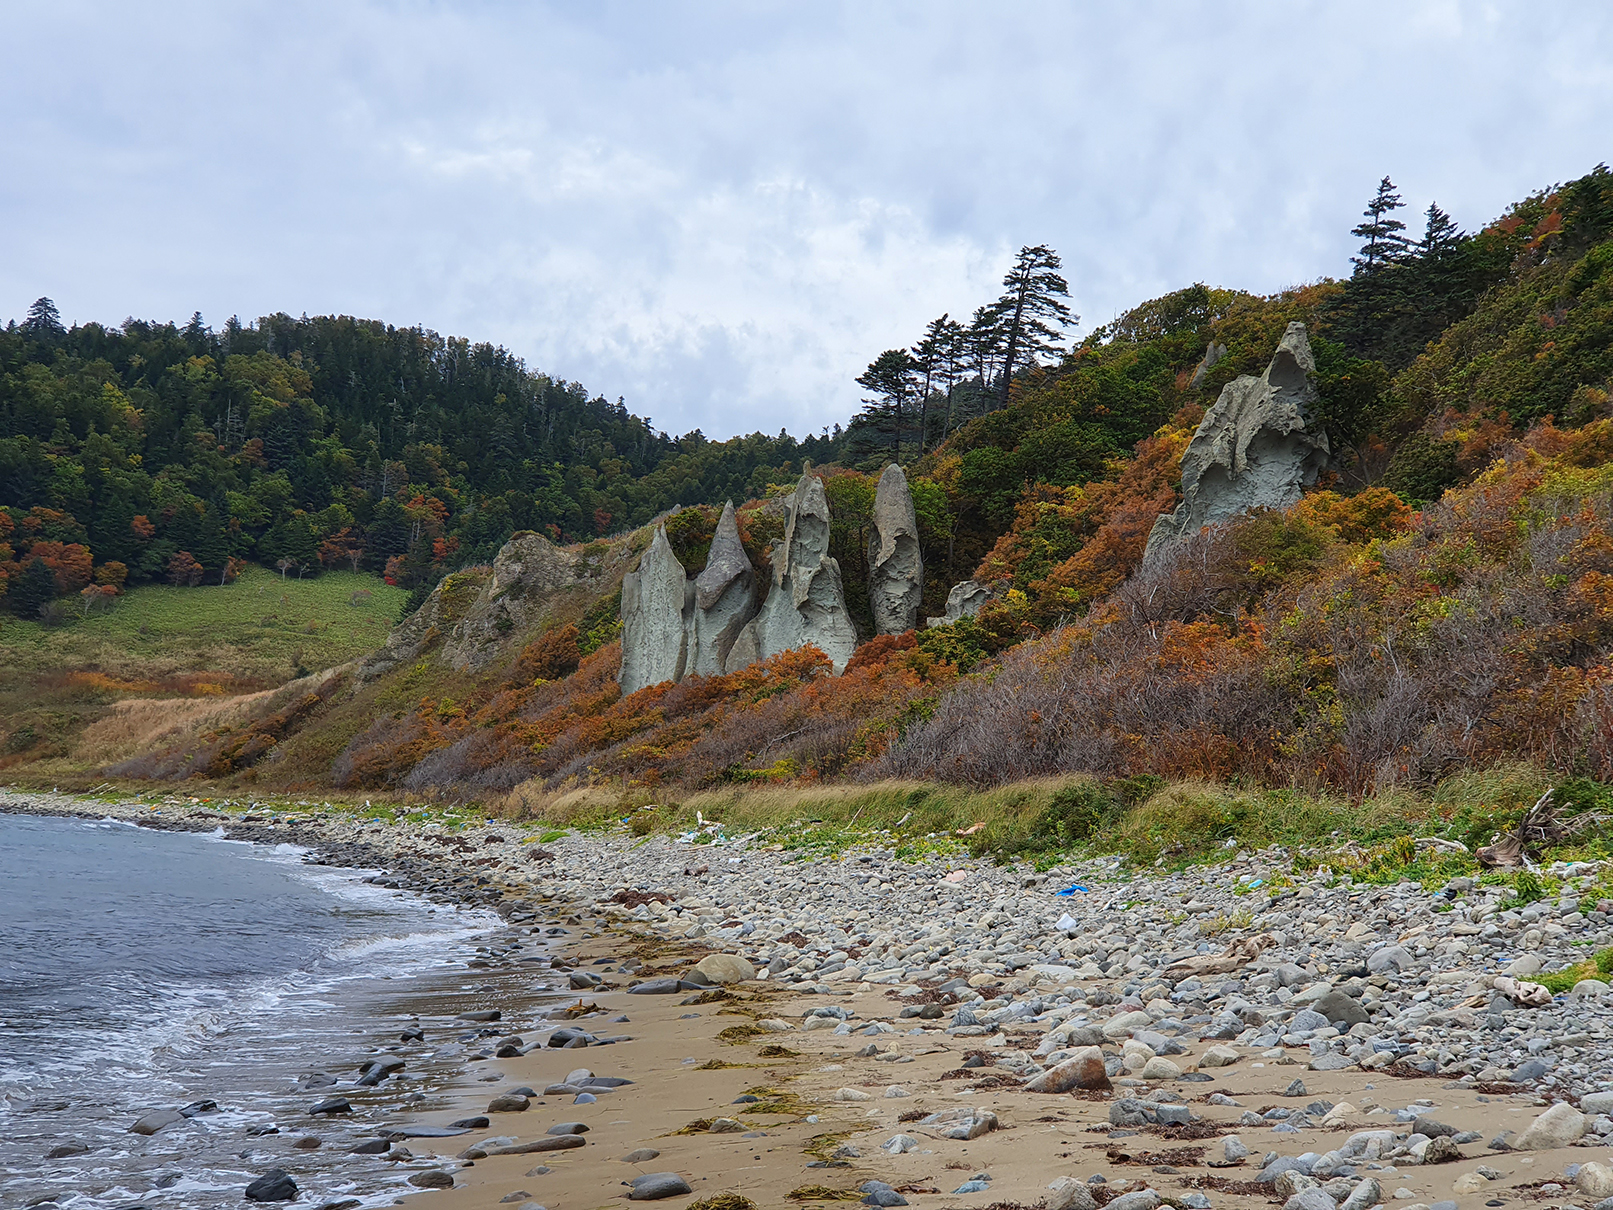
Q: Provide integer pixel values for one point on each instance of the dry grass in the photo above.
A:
(144, 724)
(912, 806)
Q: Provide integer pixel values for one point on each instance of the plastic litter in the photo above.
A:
(1068, 924)
(1072, 889)
(955, 876)
(971, 829)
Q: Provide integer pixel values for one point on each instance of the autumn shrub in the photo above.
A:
(550, 658)
(184, 570)
(959, 643)
(689, 531)
(1069, 547)
(1278, 649)
(386, 751)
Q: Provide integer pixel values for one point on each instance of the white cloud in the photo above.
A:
(723, 211)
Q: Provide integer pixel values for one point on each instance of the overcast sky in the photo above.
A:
(723, 212)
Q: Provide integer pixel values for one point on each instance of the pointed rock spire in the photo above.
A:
(725, 599)
(895, 564)
(807, 603)
(657, 600)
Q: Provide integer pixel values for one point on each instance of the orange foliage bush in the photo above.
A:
(553, 656)
(184, 570)
(1104, 524)
(1375, 512)
(70, 562)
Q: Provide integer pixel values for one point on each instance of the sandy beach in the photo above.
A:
(1040, 1137)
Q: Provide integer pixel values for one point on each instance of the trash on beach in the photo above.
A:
(1072, 889)
(1068, 924)
(971, 829)
(955, 876)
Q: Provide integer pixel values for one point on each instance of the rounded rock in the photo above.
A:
(432, 1178)
(653, 1186)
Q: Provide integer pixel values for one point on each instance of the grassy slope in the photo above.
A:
(256, 629)
(160, 641)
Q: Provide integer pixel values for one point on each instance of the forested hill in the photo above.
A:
(323, 441)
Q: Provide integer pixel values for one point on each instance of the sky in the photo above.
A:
(723, 211)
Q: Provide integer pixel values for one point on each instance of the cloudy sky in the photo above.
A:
(723, 211)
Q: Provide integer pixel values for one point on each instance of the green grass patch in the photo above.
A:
(259, 628)
(1599, 966)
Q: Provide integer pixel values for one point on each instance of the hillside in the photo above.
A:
(162, 453)
(1437, 604)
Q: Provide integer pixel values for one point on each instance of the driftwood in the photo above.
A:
(1542, 827)
(1236, 957)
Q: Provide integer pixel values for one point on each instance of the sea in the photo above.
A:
(145, 970)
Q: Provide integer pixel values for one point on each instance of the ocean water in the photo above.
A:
(144, 970)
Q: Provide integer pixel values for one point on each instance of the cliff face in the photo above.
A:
(480, 616)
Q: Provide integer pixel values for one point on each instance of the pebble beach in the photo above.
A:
(732, 1018)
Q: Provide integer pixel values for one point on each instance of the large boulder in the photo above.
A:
(725, 599)
(895, 565)
(1252, 450)
(1560, 1126)
(725, 968)
(1084, 1069)
(657, 601)
(966, 600)
(807, 602)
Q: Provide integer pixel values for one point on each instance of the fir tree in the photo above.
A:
(44, 321)
(33, 589)
(1385, 244)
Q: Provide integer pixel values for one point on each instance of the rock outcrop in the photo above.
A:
(966, 600)
(657, 609)
(1252, 450)
(807, 602)
(725, 600)
(1212, 358)
(479, 615)
(895, 564)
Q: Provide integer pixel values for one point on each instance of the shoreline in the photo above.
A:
(265, 1103)
(864, 934)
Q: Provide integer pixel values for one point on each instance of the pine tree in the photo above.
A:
(983, 346)
(891, 376)
(1369, 317)
(1030, 307)
(1385, 245)
(1441, 290)
(937, 357)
